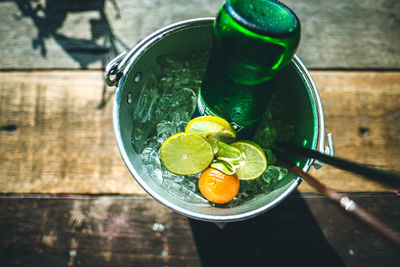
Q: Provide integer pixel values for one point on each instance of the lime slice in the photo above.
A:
(227, 158)
(223, 166)
(186, 153)
(213, 129)
(253, 162)
(228, 153)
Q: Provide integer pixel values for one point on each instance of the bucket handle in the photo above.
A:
(114, 69)
(328, 150)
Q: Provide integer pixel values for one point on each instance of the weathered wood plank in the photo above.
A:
(60, 140)
(305, 230)
(54, 138)
(93, 231)
(76, 34)
(362, 112)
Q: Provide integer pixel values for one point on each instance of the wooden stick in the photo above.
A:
(345, 202)
(388, 178)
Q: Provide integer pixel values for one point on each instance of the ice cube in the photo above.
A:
(172, 187)
(184, 100)
(151, 164)
(144, 105)
(164, 108)
(189, 184)
(164, 130)
(276, 172)
(168, 62)
(179, 120)
(167, 175)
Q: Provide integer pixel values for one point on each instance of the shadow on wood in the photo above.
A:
(287, 235)
(49, 16)
(304, 230)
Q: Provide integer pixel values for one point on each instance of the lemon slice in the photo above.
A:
(186, 153)
(213, 129)
(253, 161)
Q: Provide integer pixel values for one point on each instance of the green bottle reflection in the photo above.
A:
(253, 40)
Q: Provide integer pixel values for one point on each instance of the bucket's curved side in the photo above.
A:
(318, 103)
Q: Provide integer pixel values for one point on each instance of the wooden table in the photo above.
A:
(67, 199)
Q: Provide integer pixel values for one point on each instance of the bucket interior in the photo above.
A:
(141, 80)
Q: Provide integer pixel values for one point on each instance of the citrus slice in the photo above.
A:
(228, 153)
(186, 153)
(253, 162)
(224, 166)
(213, 129)
(227, 158)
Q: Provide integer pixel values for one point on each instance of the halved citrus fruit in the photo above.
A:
(186, 153)
(213, 129)
(253, 161)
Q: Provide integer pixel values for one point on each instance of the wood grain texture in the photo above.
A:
(93, 231)
(54, 138)
(60, 140)
(77, 35)
(70, 230)
(362, 112)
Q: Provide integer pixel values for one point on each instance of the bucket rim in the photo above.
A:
(127, 63)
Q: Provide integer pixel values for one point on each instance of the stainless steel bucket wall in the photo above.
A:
(296, 89)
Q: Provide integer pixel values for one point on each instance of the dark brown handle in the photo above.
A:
(350, 206)
(381, 176)
(344, 202)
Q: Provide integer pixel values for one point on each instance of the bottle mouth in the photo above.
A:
(265, 17)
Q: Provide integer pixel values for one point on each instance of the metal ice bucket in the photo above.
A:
(129, 72)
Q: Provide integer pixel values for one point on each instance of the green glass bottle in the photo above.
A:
(253, 40)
